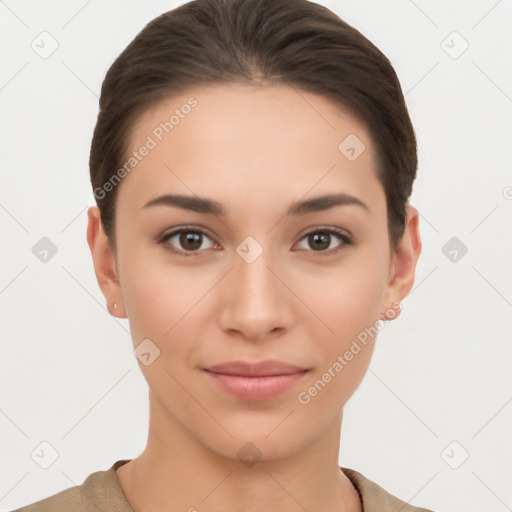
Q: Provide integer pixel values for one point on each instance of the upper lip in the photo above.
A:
(255, 369)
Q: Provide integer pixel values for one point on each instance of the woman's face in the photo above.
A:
(266, 278)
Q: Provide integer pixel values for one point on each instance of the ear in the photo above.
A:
(403, 263)
(104, 263)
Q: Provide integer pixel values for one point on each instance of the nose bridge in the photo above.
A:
(255, 302)
(254, 283)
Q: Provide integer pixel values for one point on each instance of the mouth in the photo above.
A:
(266, 368)
(255, 381)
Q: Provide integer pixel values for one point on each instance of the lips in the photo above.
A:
(265, 368)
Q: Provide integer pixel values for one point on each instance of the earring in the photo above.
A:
(115, 306)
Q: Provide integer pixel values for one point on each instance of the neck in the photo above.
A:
(176, 471)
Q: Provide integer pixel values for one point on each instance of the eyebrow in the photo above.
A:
(204, 205)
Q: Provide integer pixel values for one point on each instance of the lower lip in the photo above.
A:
(255, 388)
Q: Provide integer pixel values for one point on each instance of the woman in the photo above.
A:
(252, 163)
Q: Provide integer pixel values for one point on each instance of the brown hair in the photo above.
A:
(282, 42)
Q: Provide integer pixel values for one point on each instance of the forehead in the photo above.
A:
(237, 139)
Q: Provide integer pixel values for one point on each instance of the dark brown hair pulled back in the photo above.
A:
(282, 42)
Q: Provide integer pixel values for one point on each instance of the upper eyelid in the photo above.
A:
(333, 230)
(173, 232)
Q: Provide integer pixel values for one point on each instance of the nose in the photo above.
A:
(255, 302)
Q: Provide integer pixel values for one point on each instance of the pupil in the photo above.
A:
(190, 240)
(321, 240)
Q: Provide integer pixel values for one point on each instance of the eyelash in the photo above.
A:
(346, 239)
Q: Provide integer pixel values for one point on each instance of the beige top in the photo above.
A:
(101, 491)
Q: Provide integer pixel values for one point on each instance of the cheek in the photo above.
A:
(349, 298)
(158, 295)
(342, 356)
(347, 303)
(149, 309)
(163, 305)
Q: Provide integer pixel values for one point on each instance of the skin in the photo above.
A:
(255, 149)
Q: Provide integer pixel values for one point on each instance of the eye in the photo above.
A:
(321, 240)
(189, 241)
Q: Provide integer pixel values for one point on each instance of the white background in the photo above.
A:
(440, 372)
